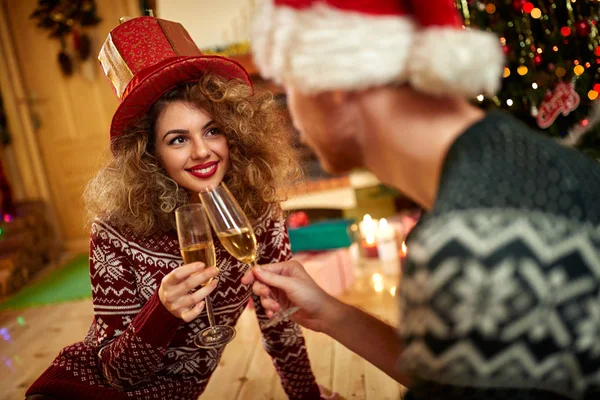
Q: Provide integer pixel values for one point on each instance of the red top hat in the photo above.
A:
(145, 57)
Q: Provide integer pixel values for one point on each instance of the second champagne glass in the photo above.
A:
(235, 232)
(196, 244)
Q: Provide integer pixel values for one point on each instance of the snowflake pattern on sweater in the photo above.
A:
(136, 349)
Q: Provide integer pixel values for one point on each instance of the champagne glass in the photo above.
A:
(235, 233)
(196, 244)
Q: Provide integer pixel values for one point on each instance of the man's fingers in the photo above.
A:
(271, 278)
(248, 278)
(260, 289)
(284, 268)
(269, 305)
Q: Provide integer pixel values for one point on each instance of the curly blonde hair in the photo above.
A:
(133, 189)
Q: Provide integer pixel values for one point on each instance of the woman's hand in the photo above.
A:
(176, 291)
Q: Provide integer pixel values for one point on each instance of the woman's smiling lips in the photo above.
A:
(205, 170)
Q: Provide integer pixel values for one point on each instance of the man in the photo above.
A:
(500, 294)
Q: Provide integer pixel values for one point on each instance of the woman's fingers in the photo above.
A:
(202, 293)
(192, 313)
(180, 274)
(200, 278)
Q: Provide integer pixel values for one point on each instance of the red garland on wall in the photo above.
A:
(67, 19)
(7, 207)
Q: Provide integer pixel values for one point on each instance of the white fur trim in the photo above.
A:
(457, 62)
(323, 48)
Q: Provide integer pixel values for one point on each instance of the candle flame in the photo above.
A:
(378, 287)
(367, 217)
(393, 290)
(383, 223)
(370, 239)
(404, 248)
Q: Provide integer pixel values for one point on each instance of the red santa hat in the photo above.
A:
(319, 45)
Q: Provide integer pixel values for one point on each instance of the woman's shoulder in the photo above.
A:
(117, 231)
(273, 218)
(273, 212)
(155, 240)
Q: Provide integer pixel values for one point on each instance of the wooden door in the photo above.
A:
(72, 114)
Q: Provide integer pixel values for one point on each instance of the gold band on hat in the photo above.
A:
(115, 68)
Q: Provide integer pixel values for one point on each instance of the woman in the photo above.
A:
(186, 121)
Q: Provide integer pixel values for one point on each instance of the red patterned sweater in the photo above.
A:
(136, 349)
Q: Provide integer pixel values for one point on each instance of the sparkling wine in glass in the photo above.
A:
(235, 233)
(196, 244)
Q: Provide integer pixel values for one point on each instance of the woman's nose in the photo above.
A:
(201, 150)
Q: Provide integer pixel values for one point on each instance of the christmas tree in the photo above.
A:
(552, 74)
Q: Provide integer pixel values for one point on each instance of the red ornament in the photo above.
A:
(505, 49)
(598, 51)
(298, 219)
(597, 87)
(565, 31)
(562, 100)
(518, 4)
(76, 39)
(582, 28)
(528, 7)
(538, 60)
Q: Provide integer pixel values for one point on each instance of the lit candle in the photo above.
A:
(403, 253)
(386, 231)
(368, 231)
(387, 248)
(369, 246)
(367, 226)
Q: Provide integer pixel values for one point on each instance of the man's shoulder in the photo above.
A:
(500, 163)
(490, 234)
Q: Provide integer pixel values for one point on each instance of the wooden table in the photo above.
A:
(245, 371)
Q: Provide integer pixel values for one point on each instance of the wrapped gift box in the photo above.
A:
(324, 235)
(333, 270)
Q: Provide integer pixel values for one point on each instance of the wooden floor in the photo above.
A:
(30, 339)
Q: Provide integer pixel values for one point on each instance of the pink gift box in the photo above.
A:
(333, 270)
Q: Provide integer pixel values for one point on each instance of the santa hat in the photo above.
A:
(319, 45)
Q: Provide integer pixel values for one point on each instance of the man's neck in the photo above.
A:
(407, 136)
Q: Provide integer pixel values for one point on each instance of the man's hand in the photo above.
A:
(287, 284)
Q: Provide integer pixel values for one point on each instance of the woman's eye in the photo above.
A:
(177, 140)
(213, 132)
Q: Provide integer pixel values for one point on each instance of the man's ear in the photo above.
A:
(335, 98)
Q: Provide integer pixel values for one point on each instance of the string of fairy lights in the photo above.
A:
(548, 44)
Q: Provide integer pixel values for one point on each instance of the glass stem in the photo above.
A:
(209, 312)
(250, 265)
